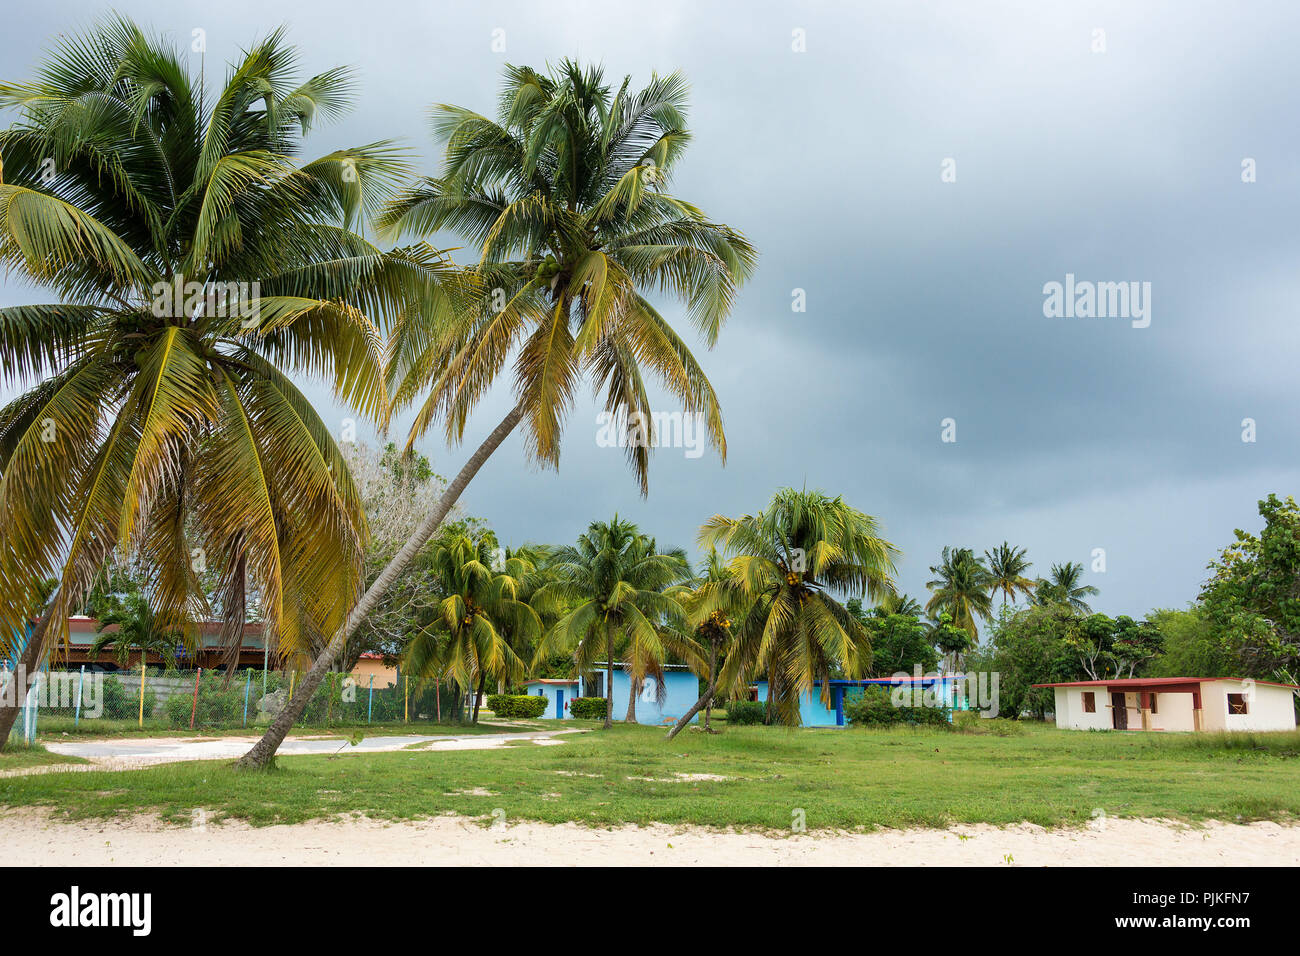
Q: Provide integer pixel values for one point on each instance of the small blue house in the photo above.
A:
(681, 691)
(814, 713)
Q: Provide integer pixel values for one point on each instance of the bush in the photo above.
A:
(588, 708)
(971, 722)
(876, 708)
(119, 705)
(517, 705)
(743, 712)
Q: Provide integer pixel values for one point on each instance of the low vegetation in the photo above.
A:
(756, 777)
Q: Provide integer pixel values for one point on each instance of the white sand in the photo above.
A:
(34, 837)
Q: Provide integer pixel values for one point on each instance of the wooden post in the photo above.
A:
(142, 689)
(370, 707)
(248, 682)
(407, 718)
(76, 719)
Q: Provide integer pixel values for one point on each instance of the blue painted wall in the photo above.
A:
(814, 713)
(554, 693)
(682, 689)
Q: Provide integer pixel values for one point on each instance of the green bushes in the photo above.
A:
(217, 706)
(119, 705)
(876, 708)
(588, 708)
(517, 705)
(745, 712)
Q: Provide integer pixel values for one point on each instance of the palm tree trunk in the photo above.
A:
(631, 699)
(609, 678)
(713, 684)
(27, 664)
(706, 700)
(263, 753)
(478, 696)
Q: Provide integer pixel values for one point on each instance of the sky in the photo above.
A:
(921, 172)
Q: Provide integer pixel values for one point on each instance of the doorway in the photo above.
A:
(1118, 712)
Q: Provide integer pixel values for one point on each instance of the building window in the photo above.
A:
(594, 685)
(1154, 709)
(1089, 702)
(1237, 704)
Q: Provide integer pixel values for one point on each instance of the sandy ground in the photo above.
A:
(33, 837)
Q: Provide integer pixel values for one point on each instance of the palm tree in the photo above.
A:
(136, 627)
(566, 196)
(614, 580)
(710, 607)
(785, 563)
(466, 642)
(196, 265)
(901, 603)
(1064, 587)
(961, 588)
(1007, 567)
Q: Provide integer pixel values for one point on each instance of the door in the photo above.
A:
(1118, 712)
(559, 703)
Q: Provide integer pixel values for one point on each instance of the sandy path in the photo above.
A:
(32, 837)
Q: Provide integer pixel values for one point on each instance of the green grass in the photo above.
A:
(13, 757)
(840, 779)
(63, 728)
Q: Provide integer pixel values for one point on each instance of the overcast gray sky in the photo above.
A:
(924, 297)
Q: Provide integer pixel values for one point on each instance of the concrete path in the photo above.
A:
(124, 753)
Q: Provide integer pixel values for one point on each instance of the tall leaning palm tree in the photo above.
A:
(467, 642)
(566, 195)
(195, 265)
(787, 563)
(1065, 586)
(1007, 572)
(615, 580)
(961, 588)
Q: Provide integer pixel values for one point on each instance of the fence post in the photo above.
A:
(293, 675)
(407, 705)
(29, 713)
(248, 682)
(194, 708)
(370, 707)
(76, 718)
(142, 689)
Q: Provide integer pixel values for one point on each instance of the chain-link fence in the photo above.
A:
(157, 699)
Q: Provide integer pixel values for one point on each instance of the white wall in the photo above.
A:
(1069, 709)
(1270, 707)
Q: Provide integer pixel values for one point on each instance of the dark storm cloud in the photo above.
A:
(924, 298)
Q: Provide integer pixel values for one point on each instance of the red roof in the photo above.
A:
(1157, 681)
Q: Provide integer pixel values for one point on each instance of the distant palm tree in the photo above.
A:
(785, 564)
(1064, 587)
(711, 607)
(466, 642)
(566, 197)
(1007, 570)
(961, 588)
(134, 627)
(901, 603)
(197, 269)
(614, 579)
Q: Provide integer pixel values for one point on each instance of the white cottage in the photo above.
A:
(1174, 703)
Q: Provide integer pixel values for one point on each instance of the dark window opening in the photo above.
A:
(1089, 702)
(1237, 704)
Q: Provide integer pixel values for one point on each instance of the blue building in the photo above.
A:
(681, 690)
(949, 688)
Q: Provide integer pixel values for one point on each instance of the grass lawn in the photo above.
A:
(839, 778)
(63, 728)
(11, 758)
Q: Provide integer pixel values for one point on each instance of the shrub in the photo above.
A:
(876, 708)
(744, 712)
(588, 708)
(517, 705)
(119, 705)
(970, 722)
